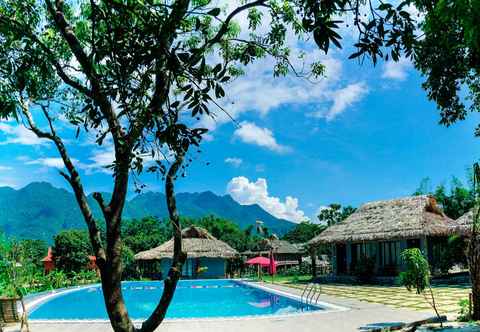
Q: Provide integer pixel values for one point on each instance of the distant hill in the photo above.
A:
(40, 210)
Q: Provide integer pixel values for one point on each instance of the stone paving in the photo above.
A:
(447, 297)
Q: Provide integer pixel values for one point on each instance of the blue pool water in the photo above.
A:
(192, 299)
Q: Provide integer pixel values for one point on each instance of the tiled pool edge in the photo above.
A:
(330, 308)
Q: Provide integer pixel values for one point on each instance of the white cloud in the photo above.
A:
(342, 99)
(259, 92)
(48, 162)
(234, 161)
(53, 162)
(5, 168)
(252, 134)
(396, 70)
(247, 193)
(101, 158)
(18, 134)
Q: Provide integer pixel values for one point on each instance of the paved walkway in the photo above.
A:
(360, 315)
(447, 297)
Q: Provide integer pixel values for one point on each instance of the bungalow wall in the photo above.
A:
(215, 267)
(385, 253)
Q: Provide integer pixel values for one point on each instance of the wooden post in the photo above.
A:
(470, 303)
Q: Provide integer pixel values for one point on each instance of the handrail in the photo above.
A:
(311, 292)
(303, 293)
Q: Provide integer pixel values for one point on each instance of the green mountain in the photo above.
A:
(40, 210)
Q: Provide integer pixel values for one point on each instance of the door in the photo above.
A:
(341, 258)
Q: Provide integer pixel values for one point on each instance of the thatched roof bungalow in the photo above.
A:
(463, 225)
(381, 230)
(285, 253)
(207, 257)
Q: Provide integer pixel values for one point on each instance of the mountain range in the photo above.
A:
(40, 210)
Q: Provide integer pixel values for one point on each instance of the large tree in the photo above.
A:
(71, 250)
(448, 56)
(139, 74)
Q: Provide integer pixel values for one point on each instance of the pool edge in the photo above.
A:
(330, 307)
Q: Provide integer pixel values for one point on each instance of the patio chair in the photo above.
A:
(9, 313)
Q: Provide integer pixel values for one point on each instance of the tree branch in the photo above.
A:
(50, 56)
(99, 198)
(73, 178)
(162, 78)
(88, 69)
(224, 28)
(179, 256)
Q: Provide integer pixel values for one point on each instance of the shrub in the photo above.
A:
(464, 313)
(417, 275)
(301, 269)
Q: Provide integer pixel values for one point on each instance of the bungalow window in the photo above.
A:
(188, 268)
(389, 252)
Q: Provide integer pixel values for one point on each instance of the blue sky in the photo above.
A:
(362, 133)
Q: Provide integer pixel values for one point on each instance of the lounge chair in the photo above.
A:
(9, 313)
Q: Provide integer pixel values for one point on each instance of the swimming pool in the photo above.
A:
(192, 299)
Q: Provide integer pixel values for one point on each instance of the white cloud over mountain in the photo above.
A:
(246, 193)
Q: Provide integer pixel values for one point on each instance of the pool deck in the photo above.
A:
(357, 318)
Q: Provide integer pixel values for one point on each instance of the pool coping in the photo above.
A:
(328, 306)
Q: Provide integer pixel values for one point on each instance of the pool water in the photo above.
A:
(192, 299)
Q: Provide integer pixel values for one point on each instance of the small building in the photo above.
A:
(381, 230)
(49, 262)
(207, 257)
(285, 253)
(463, 225)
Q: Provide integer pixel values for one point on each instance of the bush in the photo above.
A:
(453, 254)
(417, 275)
(464, 313)
(364, 269)
(301, 269)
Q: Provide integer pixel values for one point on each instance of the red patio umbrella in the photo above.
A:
(262, 261)
(272, 266)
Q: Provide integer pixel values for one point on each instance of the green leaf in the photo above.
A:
(214, 12)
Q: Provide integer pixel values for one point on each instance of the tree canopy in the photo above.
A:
(455, 200)
(335, 213)
(303, 232)
(71, 250)
(448, 55)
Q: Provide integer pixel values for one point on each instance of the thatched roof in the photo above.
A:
(197, 242)
(278, 246)
(463, 225)
(402, 218)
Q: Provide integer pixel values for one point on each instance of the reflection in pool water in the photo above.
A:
(193, 299)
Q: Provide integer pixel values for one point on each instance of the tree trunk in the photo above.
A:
(313, 256)
(112, 293)
(474, 266)
(179, 257)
